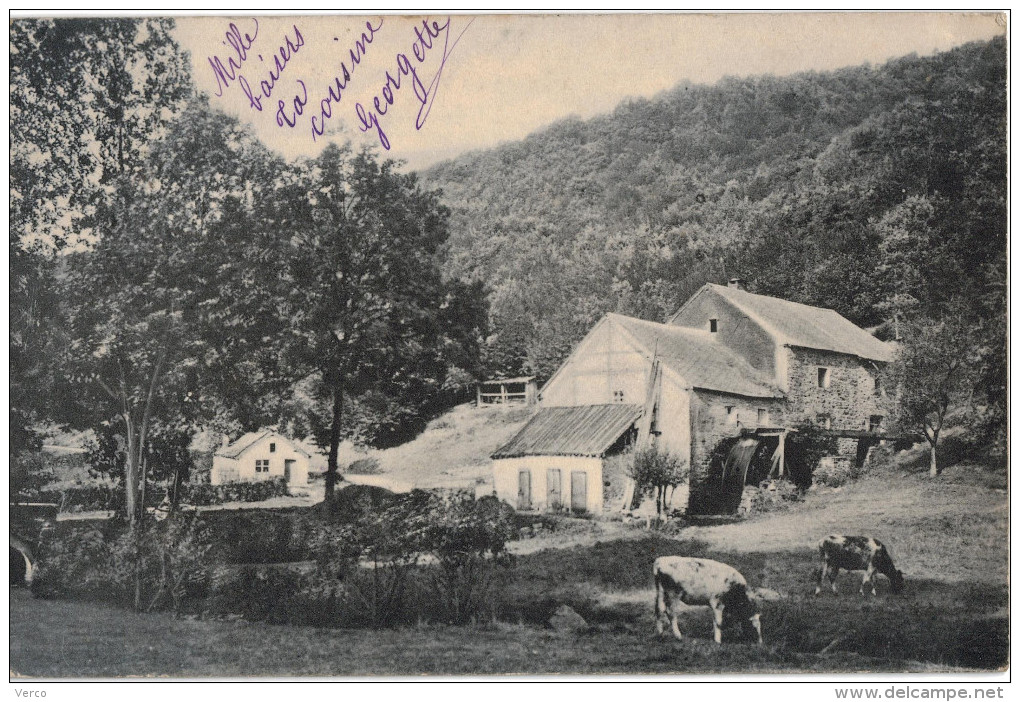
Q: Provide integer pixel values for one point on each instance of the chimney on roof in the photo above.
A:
(737, 283)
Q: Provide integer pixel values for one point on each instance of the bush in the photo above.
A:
(103, 497)
(165, 563)
(468, 537)
(425, 556)
(75, 563)
(833, 473)
(769, 497)
(259, 536)
(202, 495)
(356, 502)
(654, 471)
(94, 498)
(364, 466)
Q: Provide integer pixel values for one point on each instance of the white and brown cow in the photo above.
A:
(856, 553)
(699, 581)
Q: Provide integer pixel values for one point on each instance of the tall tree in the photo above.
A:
(371, 310)
(86, 97)
(933, 374)
(166, 310)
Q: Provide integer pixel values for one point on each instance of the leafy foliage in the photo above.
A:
(654, 470)
(864, 190)
(934, 372)
(373, 317)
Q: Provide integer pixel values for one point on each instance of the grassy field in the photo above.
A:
(949, 536)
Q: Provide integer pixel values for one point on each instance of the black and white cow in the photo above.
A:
(698, 581)
(856, 553)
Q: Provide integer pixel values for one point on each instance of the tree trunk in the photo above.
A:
(131, 470)
(933, 439)
(332, 468)
(175, 494)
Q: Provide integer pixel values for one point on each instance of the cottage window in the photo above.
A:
(763, 417)
(878, 385)
(262, 465)
(272, 448)
(823, 377)
(713, 325)
(875, 422)
(617, 395)
(824, 421)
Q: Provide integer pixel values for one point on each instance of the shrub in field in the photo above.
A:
(202, 494)
(257, 536)
(356, 502)
(656, 471)
(832, 473)
(181, 547)
(769, 497)
(390, 542)
(468, 538)
(426, 556)
(364, 466)
(74, 563)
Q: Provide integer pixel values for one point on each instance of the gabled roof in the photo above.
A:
(588, 430)
(803, 325)
(248, 440)
(698, 358)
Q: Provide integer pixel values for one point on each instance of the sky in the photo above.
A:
(446, 85)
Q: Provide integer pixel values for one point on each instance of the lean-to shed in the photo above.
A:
(556, 461)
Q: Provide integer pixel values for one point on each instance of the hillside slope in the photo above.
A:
(453, 451)
(860, 190)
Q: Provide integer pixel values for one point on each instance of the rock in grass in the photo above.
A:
(567, 620)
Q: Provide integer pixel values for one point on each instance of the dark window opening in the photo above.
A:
(875, 422)
(713, 325)
(272, 448)
(823, 377)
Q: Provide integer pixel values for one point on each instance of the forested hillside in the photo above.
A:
(877, 191)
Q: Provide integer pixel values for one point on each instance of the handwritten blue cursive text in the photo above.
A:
(287, 50)
(342, 78)
(370, 117)
(241, 44)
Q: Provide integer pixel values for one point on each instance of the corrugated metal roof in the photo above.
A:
(588, 430)
(698, 358)
(810, 327)
(246, 441)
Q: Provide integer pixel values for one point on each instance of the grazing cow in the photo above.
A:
(856, 553)
(698, 581)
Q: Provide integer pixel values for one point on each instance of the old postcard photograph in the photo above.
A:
(371, 346)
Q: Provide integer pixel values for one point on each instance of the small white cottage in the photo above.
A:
(261, 455)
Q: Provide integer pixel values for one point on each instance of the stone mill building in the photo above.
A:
(729, 363)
